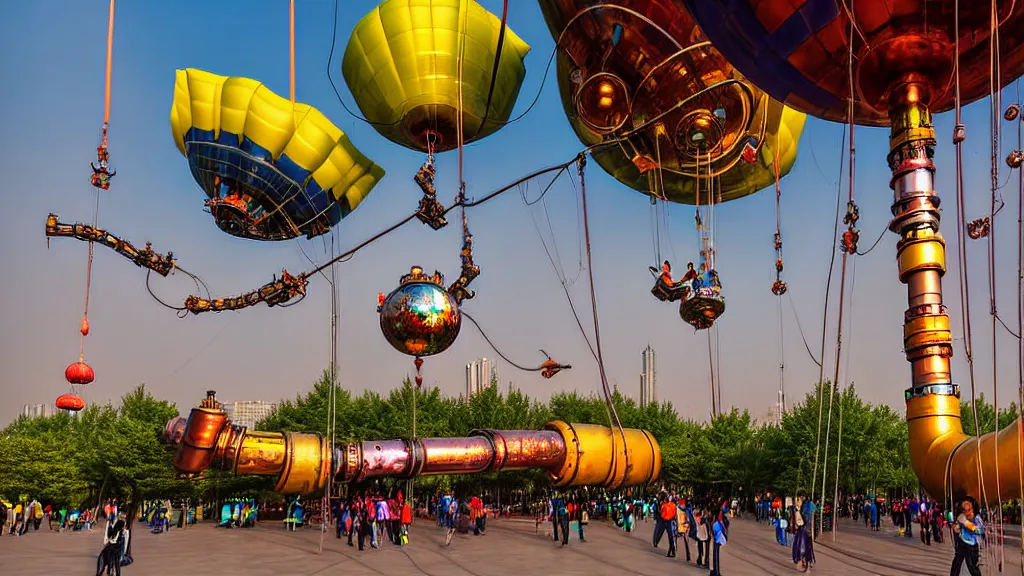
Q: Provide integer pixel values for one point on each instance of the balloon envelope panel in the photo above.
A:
(273, 170)
(402, 67)
(798, 51)
(643, 69)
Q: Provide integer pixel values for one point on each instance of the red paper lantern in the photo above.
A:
(79, 373)
(70, 402)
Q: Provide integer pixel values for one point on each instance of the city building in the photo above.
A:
(38, 410)
(648, 377)
(774, 415)
(248, 412)
(480, 373)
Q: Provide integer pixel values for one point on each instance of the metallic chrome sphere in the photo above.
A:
(420, 318)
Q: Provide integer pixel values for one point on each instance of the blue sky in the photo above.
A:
(52, 106)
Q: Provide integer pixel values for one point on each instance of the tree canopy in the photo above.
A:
(107, 451)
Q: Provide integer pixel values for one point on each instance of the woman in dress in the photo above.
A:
(803, 544)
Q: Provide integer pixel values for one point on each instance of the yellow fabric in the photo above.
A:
(783, 127)
(245, 107)
(782, 136)
(404, 55)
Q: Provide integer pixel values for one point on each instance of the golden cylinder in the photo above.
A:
(934, 428)
(602, 456)
(964, 465)
(261, 454)
(926, 331)
(921, 252)
(931, 369)
(307, 464)
(199, 440)
(948, 463)
(924, 288)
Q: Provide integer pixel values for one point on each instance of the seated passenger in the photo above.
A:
(690, 275)
(666, 273)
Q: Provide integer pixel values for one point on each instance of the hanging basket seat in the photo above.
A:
(703, 307)
(668, 292)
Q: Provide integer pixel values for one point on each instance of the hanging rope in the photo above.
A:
(291, 52)
(718, 365)
(959, 135)
(555, 261)
(494, 68)
(1020, 312)
(995, 116)
(824, 314)
(842, 395)
(849, 246)
(581, 164)
(100, 179)
(779, 287)
(548, 369)
(711, 371)
(332, 398)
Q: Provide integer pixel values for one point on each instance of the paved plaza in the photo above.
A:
(510, 547)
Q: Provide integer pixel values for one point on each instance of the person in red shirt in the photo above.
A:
(667, 515)
(406, 522)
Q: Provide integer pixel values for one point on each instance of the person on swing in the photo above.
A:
(691, 274)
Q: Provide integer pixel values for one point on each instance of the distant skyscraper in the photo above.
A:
(648, 377)
(38, 410)
(249, 412)
(479, 374)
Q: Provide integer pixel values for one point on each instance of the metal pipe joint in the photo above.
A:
(571, 454)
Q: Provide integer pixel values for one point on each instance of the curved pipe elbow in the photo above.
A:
(953, 464)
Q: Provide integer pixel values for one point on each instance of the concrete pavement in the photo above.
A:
(511, 548)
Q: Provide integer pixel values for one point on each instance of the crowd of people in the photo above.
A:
(933, 521)
(26, 515)
(369, 515)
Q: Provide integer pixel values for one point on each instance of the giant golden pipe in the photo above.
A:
(571, 454)
(948, 462)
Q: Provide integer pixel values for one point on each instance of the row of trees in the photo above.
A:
(108, 451)
(730, 452)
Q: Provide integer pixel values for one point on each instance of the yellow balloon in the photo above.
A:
(401, 65)
(272, 169)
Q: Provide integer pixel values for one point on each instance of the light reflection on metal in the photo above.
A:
(892, 40)
(145, 258)
(624, 65)
(420, 317)
(572, 454)
(903, 71)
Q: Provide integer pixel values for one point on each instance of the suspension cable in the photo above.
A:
(964, 277)
(842, 280)
(1020, 315)
(995, 113)
(581, 165)
(842, 396)
(779, 288)
(84, 330)
(824, 314)
(291, 51)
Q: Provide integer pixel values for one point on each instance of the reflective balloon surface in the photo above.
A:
(643, 69)
(420, 319)
(799, 51)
